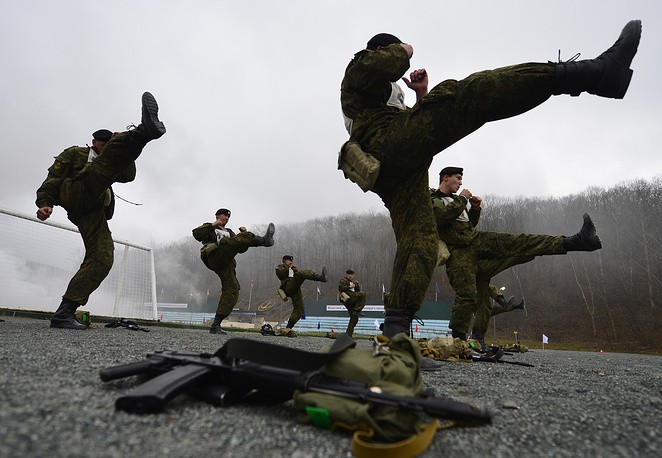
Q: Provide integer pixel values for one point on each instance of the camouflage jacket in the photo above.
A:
(206, 233)
(495, 293)
(367, 88)
(283, 273)
(344, 286)
(452, 231)
(67, 165)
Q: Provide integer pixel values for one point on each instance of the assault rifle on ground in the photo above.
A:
(243, 370)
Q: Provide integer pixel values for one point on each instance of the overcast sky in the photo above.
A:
(249, 93)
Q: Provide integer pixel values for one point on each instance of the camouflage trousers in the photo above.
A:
(98, 260)
(487, 269)
(462, 266)
(222, 262)
(292, 288)
(451, 111)
(83, 197)
(354, 305)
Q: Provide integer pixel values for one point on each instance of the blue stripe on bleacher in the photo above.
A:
(365, 326)
(431, 328)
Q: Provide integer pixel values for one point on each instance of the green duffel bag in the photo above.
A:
(390, 367)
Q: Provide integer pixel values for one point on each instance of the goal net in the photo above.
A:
(37, 260)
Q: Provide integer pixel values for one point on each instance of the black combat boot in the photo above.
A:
(150, 127)
(480, 337)
(397, 321)
(459, 335)
(518, 306)
(502, 301)
(65, 317)
(510, 303)
(216, 325)
(268, 238)
(608, 75)
(321, 277)
(584, 240)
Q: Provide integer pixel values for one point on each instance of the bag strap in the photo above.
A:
(410, 447)
(280, 356)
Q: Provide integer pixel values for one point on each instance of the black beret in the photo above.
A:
(223, 211)
(287, 256)
(349, 271)
(382, 39)
(102, 135)
(450, 171)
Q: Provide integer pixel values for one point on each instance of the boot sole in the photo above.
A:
(151, 113)
(621, 75)
(81, 327)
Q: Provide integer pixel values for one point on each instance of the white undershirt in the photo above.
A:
(221, 233)
(396, 99)
(92, 155)
(464, 216)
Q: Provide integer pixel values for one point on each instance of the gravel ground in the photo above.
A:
(571, 404)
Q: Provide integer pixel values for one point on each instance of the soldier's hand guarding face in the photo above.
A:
(418, 82)
(475, 201)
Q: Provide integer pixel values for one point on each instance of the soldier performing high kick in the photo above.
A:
(220, 246)
(80, 181)
(352, 298)
(405, 140)
(468, 246)
(291, 278)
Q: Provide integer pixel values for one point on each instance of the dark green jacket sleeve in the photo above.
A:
(450, 230)
(371, 73)
(282, 272)
(366, 88)
(474, 215)
(48, 194)
(128, 174)
(204, 233)
(343, 285)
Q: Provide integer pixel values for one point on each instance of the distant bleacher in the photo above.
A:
(366, 326)
(203, 318)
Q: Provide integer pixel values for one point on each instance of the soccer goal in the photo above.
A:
(38, 258)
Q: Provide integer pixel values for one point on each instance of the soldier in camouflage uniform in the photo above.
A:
(220, 246)
(468, 247)
(405, 140)
(80, 181)
(352, 298)
(291, 278)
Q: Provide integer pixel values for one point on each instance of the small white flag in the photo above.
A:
(383, 288)
(545, 339)
(376, 325)
(318, 290)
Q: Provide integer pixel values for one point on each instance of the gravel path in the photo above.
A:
(571, 404)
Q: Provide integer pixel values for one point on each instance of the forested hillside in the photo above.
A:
(611, 297)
